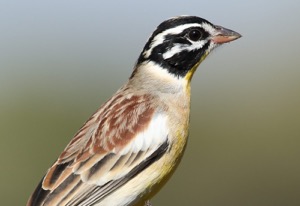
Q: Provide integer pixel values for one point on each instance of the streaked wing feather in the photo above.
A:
(120, 140)
(97, 193)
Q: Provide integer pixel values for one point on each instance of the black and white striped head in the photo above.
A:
(180, 44)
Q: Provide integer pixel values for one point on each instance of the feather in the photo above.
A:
(119, 141)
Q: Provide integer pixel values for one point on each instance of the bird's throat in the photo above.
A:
(190, 73)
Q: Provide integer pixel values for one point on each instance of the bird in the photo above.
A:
(130, 147)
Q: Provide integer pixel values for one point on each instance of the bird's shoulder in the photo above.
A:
(122, 138)
(129, 122)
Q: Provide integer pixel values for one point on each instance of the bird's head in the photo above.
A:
(180, 44)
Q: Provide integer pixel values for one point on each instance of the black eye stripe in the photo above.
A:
(183, 37)
(179, 38)
(195, 35)
(205, 34)
(182, 62)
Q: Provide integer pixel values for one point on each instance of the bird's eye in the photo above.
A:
(195, 35)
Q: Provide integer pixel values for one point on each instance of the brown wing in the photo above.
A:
(102, 156)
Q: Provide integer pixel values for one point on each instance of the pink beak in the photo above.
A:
(224, 35)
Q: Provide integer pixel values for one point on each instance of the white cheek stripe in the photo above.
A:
(179, 48)
(159, 38)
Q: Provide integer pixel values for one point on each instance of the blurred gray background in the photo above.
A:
(60, 60)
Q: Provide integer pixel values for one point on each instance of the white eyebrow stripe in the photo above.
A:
(207, 27)
(179, 48)
(159, 38)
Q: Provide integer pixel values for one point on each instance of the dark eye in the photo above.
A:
(195, 35)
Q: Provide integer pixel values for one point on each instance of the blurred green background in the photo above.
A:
(60, 60)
